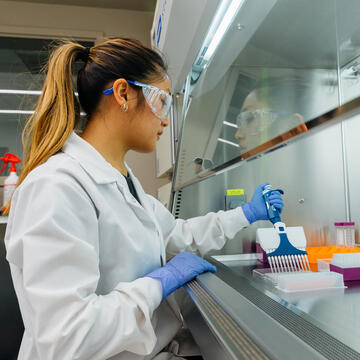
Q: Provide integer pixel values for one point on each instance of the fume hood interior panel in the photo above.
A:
(285, 61)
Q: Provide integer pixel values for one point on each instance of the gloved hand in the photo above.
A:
(179, 270)
(256, 208)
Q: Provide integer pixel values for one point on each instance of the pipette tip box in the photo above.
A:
(349, 274)
(261, 254)
(302, 281)
(346, 264)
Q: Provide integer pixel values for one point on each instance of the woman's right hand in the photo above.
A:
(256, 208)
(179, 270)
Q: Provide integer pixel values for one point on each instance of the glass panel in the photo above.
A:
(274, 70)
(348, 25)
(21, 60)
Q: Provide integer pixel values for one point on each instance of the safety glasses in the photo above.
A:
(255, 121)
(158, 100)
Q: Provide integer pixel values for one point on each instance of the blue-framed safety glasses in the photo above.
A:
(252, 122)
(158, 100)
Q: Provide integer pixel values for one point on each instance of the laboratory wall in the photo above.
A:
(35, 18)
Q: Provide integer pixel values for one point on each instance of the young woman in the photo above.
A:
(86, 245)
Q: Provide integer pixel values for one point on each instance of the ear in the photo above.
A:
(121, 88)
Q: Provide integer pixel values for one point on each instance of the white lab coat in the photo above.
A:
(79, 246)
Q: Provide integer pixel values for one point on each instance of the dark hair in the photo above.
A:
(112, 59)
(57, 111)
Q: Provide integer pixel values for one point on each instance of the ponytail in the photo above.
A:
(56, 112)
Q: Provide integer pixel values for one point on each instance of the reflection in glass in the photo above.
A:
(280, 64)
(349, 48)
(269, 110)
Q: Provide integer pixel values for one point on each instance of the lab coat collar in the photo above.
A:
(92, 161)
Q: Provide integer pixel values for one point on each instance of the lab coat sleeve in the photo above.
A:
(52, 246)
(201, 233)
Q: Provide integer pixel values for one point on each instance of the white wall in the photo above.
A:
(42, 20)
(143, 166)
(75, 19)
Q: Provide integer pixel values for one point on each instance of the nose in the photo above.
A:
(239, 135)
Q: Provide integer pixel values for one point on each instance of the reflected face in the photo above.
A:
(251, 122)
(147, 128)
(257, 123)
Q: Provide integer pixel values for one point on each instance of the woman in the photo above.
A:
(86, 245)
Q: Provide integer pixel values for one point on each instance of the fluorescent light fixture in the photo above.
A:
(230, 124)
(23, 92)
(228, 142)
(25, 112)
(227, 18)
(224, 16)
(20, 92)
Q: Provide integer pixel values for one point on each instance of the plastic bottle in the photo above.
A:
(11, 181)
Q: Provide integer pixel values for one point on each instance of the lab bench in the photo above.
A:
(235, 315)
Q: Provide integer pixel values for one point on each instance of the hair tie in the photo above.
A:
(84, 55)
(87, 52)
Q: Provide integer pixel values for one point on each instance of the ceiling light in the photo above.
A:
(222, 28)
(20, 92)
(228, 142)
(25, 112)
(224, 16)
(24, 92)
(230, 124)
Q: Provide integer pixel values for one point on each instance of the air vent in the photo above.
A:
(177, 204)
(180, 171)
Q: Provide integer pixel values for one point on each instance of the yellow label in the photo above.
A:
(235, 192)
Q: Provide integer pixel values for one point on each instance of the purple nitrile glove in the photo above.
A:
(179, 270)
(256, 208)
